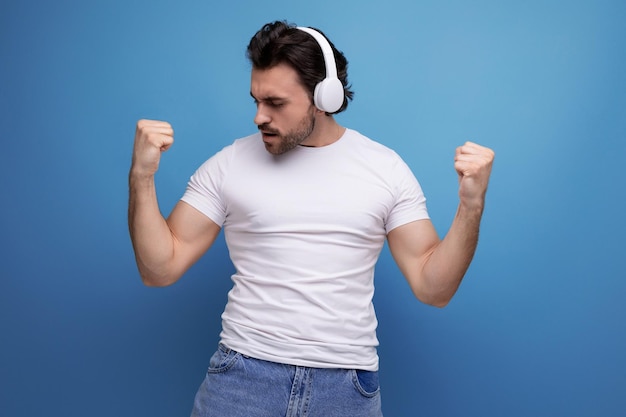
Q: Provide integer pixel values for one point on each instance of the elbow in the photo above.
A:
(439, 301)
(437, 296)
(153, 283)
(435, 291)
(155, 280)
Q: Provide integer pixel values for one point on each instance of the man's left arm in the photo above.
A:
(434, 268)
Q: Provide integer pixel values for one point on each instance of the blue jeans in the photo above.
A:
(240, 386)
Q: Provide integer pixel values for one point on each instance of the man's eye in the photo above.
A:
(272, 104)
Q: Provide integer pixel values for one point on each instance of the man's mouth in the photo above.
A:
(267, 132)
(269, 137)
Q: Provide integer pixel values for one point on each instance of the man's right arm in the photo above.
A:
(164, 249)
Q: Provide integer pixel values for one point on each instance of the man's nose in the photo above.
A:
(261, 117)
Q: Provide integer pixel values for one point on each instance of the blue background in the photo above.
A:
(538, 325)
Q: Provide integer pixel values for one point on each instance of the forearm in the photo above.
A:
(434, 268)
(150, 235)
(446, 265)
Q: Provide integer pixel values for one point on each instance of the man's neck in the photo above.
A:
(326, 132)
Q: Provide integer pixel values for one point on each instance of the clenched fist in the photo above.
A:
(473, 165)
(151, 138)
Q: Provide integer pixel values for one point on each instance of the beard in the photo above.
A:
(292, 138)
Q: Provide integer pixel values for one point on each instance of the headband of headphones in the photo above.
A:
(328, 95)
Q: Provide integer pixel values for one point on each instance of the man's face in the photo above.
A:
(285, 114)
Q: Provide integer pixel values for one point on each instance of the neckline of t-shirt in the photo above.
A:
(317, 149)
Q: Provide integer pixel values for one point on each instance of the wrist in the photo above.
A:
(137, 175)
(472, 206)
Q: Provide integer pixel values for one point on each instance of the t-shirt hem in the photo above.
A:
(245, 350)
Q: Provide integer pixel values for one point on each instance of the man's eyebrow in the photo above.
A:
(268, 98)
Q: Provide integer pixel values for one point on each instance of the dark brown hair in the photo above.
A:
(282, 43)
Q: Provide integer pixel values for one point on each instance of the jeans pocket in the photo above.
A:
(366, 382)
(223, 359)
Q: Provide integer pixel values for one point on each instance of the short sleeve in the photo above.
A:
(204, 189)
(410, 202)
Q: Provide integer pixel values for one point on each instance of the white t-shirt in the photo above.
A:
(304, 231)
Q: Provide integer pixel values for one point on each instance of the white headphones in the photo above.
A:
(328, 95)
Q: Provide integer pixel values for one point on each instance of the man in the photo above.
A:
(306, 206)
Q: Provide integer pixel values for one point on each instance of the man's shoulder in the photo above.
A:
(367, 144)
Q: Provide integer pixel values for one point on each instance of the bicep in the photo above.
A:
(193, 233)
(410, 245)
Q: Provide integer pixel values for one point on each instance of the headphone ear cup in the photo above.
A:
(328, 95)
